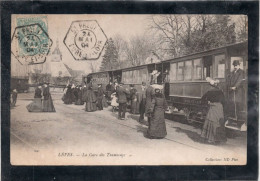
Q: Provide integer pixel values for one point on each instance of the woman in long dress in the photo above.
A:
(91, 100)
(36, 105)
(213, 129)
(47, 100)
(157, 126)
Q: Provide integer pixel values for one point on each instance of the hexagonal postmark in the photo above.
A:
(30, 44)
(85, 40)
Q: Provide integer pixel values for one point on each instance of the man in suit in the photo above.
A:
(236, 90)
(122, 100)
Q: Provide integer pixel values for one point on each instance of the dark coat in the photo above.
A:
(149, 96)
(236, 79)
(38, 93)
(122, 94)
(157, 127)
(90, 98)
(46, 93)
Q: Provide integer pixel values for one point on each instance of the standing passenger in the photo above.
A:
(14, 97)
(142, 101)
(47, 100)
(149, 96)
(90, 98)
(100, 95)
(214, 129)
(122, 100)
(36, 105)
(157, 127)
(133, 99)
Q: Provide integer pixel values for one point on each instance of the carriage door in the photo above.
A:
(160, 76)
(166, 80)
(207, 67)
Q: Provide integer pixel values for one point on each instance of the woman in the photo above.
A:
(79, 101)
(90, 98)
(68, 95)
(213, 129)
(133, 99)
(36, 105)
(157, 127)
(47, 100)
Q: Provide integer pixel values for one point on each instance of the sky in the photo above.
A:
(58, 25)
(112, 25)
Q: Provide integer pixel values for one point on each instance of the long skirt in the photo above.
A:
(90, 106)
(79, 102)
(35, 106)
(135, 107)
(48, 105)
(104, 102)
(213, 129)
(157, 126)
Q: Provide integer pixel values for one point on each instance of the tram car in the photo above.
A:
(184, 80)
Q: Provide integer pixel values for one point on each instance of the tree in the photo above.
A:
(110, 57)
(242, 26)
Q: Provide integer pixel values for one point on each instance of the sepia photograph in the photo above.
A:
(128, 89)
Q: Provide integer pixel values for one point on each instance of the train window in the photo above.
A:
(144, 75)
(219, 63)
(180, 70)
(188, 70)
(197, 70)
(173, 75)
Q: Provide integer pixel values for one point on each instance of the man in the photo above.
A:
(100, 95)
(235, 90)
(142, 100)
(122, 99)
(149, 96)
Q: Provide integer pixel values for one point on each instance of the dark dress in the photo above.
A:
(36, 105)
(134, 102)
(100, 96)
(214, 129)
(68, 98)
(79, 101)
(90, 98)
(47, 101)
(149, 94)
(14, 98)
(157, 126)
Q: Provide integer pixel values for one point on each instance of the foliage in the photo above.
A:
(110, 57)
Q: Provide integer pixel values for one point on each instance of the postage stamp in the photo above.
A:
(85, 40)
(30, 41)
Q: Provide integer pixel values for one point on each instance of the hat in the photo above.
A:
(236, 62)
(131, 85)
(143, 83)
(121, 83)
(157, 86)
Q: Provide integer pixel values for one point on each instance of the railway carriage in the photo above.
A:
(184, 79)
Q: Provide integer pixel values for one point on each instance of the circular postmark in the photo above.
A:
(30, 44)
(85, 40)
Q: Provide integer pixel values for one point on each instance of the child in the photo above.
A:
(114, 102)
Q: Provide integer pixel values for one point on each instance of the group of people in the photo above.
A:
(39, 104)
(79, 95)
(73, 94)
(214, 126)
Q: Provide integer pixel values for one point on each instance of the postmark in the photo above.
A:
(85, 40)
(30, 44)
